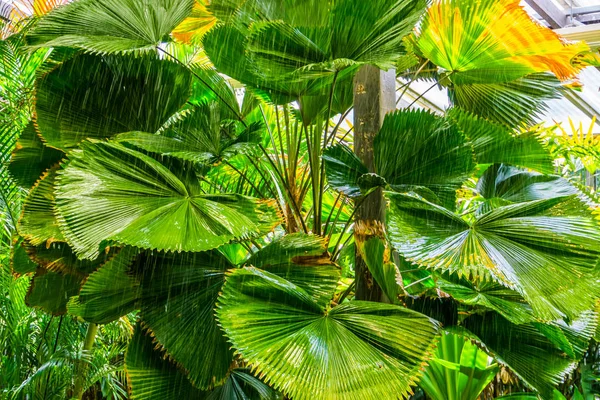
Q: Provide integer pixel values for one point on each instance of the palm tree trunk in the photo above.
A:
(374, 96)
(81, 368)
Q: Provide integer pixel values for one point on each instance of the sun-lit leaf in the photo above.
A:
(459, 370)
(194, 27)
(137, 201)
(475, 42)
(516, 245)
(111, 26)
(365, 350)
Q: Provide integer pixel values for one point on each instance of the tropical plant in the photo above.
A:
(266, 247)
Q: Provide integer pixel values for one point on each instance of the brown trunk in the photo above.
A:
(374, 96)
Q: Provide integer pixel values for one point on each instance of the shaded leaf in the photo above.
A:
(97, 97)
(108, 293)
(31, 158)
(419, 149)
(38, 224)
(151, 377)
(51, 291)
(343, 170)
(494, 143)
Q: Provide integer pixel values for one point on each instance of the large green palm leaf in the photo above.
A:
(135, 200)
(111, 26)
(517, 245)
(358, 350)
(97, 97)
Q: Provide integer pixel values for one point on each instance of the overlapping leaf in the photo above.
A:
(275, 46)
(493, 143)
(516, 185)
(344, 170)
(97, 97)
(203, 137)
(459, 370)
(51, 291)
(178, 296)
(521, 347)
(31, 158)
(419, 149)
(151, 377)
(489, 295)
(108, 293)
(38, 224)
(475, 42)
(517, 245)
(137, 201)
(111, 26)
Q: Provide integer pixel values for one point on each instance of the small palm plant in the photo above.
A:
(236, 228)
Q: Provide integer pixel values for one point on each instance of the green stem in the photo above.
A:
(82, 365)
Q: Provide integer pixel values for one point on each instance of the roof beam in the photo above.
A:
(553, 15)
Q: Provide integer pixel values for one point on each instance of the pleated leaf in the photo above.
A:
(178, 296)
(60, 257)
(494, 143)
(513, 103)
(489, 295)
(111, 26)
(419, 149)
(275, 47)
(242, 385)
(51, 291)
(203, 137)
(20, 261)
(31, 158)
(151, 377)
(97, 97)
(302, 259)
(475, 42)
(514, 185)
(359, 350)
(137, 201)
(378, 259)
(343, 169)
(459, 370)
(547, 250)
(521, 347)
(194, 27)
(38, 223)
(108, 293)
